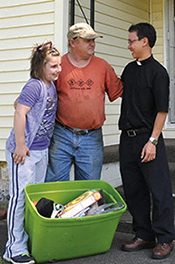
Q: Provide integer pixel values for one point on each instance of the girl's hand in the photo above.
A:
(20, 154)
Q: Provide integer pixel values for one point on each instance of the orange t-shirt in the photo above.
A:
(81, 93)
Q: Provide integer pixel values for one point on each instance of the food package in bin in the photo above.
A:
(80, 203)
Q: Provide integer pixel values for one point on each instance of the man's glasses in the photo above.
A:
(130, 42)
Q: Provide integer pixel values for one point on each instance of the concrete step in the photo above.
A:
(170, 149)
(111, 153)
(172, 173)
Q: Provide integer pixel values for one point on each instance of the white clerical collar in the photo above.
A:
(139, 63)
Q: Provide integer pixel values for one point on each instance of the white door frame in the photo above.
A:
(169, 7)
(61, 25)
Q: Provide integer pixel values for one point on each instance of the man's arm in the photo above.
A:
(114, 85)
(149, 150)
(21, 149)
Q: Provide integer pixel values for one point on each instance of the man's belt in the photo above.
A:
(138, 131)
(76, 131)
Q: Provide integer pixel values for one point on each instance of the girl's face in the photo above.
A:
(51, 69)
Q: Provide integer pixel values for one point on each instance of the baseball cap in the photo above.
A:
(82, 30)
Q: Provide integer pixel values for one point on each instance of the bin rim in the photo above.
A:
(75, 219)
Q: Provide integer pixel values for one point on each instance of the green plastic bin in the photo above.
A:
(58, 239)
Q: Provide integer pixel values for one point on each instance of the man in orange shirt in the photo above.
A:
(81, 89)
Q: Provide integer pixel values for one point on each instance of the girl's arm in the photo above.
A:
(21, 149)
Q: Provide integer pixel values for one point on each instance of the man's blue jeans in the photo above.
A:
(85, 151)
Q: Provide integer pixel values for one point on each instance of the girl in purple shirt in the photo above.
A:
(27, 145)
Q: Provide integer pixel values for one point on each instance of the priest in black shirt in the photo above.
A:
(143, 161)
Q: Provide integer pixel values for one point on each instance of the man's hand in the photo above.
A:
(148, 152)
(20, 154)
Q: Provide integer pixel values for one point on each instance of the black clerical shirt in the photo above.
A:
(146, 92)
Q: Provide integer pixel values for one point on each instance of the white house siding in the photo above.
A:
(158, 20)
(22, 24)
(112, 19)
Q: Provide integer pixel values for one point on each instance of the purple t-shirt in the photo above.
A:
(29, 96)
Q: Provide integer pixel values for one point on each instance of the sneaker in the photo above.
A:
(21, 259)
